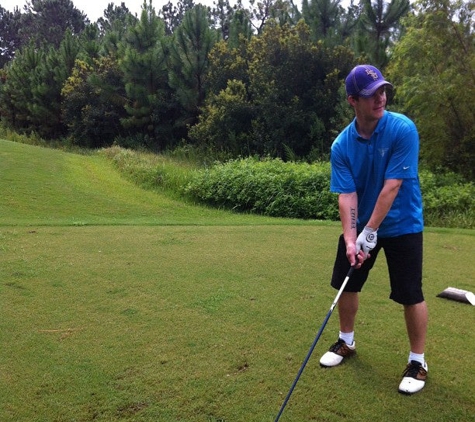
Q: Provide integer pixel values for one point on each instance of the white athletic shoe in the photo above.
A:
(337, 353)
(413, 378)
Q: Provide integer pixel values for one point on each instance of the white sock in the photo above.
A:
(347, 337)
(418, 357)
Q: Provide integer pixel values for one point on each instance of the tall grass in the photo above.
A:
(280, 189)
(151, 171)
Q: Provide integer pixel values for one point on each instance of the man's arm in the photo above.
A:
(368, 237)
(348, 206)
(385, 201)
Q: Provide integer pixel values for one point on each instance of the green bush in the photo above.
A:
(448, 200)
(280, 189)
(299, 190)
(270, 187)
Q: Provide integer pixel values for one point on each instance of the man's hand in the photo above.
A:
(366, 241)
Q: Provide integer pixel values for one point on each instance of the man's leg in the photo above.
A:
(415, 375)
(416, 317)
(347, 304)
(404, 257)
(345, 346)
(347, 309)
(407, 289)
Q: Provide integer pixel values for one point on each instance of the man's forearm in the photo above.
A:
(348, 206)
(384, 203)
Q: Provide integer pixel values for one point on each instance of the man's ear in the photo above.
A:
(352, 100)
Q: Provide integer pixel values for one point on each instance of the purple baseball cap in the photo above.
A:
(364, 80)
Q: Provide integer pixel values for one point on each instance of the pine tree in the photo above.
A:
(189, 61)
(143, 63)
(46, 21)
(380, 25)
(321, 16)
(10, 41)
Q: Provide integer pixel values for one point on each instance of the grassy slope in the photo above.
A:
(48, 187)
(167, 312)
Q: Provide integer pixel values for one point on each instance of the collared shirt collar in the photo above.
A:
(379, 127)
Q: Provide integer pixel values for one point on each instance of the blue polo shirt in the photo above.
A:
(361, 165)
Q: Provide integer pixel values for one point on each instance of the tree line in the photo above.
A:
(265, 79)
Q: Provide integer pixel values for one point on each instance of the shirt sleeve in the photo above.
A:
(341, 180)
(405, 155)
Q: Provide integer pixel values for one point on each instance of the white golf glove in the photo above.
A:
(367, 240)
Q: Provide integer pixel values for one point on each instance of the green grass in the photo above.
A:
(119, 304)
(50, 187)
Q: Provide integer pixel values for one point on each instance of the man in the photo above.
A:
(374, 164)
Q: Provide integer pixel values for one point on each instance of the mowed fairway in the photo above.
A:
(119, 304)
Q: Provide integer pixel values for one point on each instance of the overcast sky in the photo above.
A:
(94, 9)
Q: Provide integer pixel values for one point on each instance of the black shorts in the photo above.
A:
(404, 261)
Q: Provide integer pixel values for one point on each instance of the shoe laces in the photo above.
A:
(337, 346)
(413, 369)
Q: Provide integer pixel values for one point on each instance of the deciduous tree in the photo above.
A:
(281, 95)
(93, 100)
(433, 68)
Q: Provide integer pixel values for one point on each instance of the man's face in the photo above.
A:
(370, 108)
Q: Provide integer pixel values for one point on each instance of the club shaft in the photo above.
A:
(332, 307)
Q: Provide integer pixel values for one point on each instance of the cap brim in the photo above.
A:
(370, 90)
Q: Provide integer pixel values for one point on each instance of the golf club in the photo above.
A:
(350, 272)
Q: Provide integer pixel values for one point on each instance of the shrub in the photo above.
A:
(270, 187)
(280, 189)
(448, 200)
